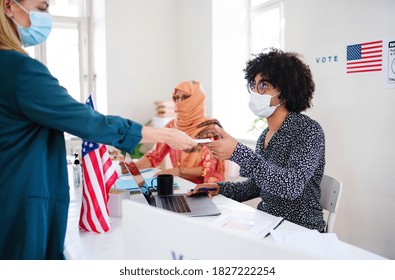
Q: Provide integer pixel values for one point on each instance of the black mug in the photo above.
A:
(164, 184)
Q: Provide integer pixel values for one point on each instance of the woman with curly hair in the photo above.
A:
(286, 168)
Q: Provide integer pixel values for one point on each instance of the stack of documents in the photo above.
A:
(165, 109)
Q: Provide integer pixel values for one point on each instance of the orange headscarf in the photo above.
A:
(191, 118)
(191, 115)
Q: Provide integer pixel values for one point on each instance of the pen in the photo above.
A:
(267, 234)
(282, 220)
(205, 189)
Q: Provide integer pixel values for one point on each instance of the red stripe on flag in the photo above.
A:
(108, 167)
(99, 176)
(365, 61)
(370, 52)
(373, 42)
(372, 56)
(87, 213)
(94, 211)
(367, 70)
(99, 211)
(111, 181)
(374, 47)
(370, 65)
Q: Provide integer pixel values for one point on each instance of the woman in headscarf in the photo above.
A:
(197, 164)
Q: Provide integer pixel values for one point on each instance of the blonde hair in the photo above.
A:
(8, 39)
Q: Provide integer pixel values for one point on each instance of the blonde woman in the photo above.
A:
(34, 112)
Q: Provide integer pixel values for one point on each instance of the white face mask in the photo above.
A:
(260, 104)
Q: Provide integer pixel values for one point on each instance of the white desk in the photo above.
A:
(92, 246)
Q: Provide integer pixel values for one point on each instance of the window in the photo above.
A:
(265, 32)
(265, 25)
(65, 58)
(66, 50)
(248, 28)
(66, 55)
(69, 8)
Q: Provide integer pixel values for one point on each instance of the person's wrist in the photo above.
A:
(153, 134)
(180, 171)
(167, 134)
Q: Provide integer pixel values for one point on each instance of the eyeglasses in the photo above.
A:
(182, 97)
(260, 87)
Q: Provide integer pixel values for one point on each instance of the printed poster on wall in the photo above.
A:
(390, 64)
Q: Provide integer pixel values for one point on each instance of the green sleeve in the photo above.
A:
(44, 101)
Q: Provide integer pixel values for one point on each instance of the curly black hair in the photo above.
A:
(286, 71)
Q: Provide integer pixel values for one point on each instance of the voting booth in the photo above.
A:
(153, 233)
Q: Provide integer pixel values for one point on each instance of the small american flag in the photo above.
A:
(99, 176)
(365, 57)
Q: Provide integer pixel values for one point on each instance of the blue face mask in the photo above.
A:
(39, 29)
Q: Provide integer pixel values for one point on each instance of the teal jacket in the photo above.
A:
(34, 190)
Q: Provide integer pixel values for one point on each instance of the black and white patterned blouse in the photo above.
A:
(286, 175)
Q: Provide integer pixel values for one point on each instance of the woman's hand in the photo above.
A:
(211, 189)
(179, 140)
(175, 138)
(224, 147)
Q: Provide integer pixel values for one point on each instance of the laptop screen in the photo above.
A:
(135, 172)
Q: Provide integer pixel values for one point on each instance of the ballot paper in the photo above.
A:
(243, 225)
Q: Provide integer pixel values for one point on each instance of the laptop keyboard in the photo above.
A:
(175, 203)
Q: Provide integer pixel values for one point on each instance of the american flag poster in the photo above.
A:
(365, 57)
(98, 177)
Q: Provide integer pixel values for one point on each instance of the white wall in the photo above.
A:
(141, 50)
(194, 44)
(355, 110)
(151, 45)
(230, 26)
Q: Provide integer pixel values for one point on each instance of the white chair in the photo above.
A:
(331, 189)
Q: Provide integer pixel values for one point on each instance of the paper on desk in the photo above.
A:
(128, 183)
(242, 225)
(324, 245)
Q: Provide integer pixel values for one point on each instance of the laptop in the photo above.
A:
(195, 206)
